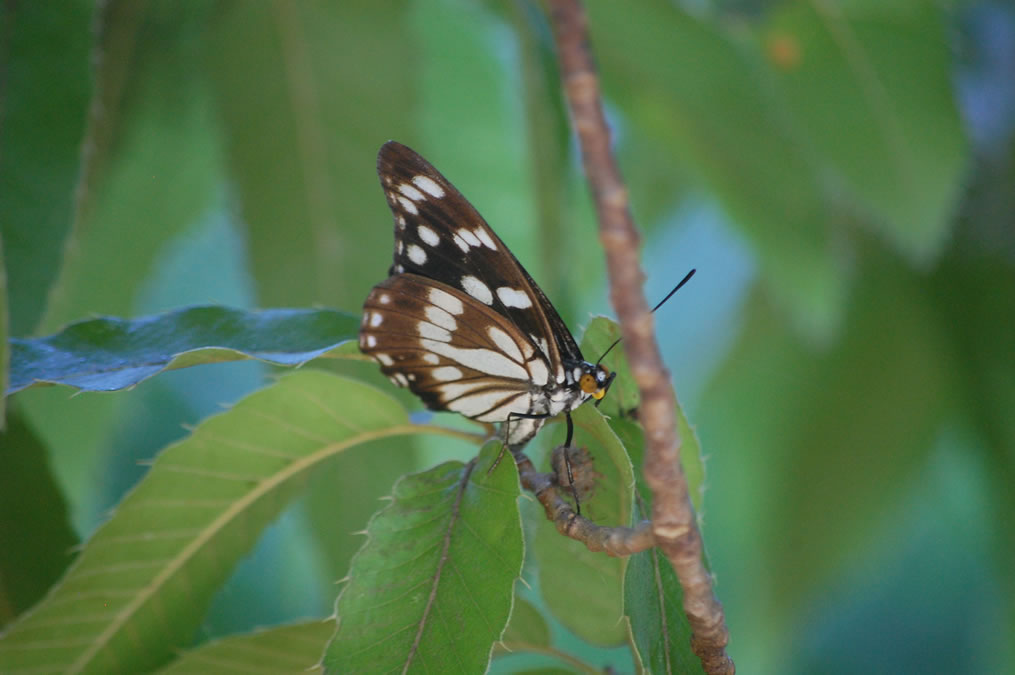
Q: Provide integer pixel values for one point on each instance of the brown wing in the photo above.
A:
(453, 351)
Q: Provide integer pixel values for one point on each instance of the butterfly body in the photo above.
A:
(459, 321)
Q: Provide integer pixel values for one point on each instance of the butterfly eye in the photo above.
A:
(588, 384)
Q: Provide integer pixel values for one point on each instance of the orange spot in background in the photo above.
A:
(783, 51)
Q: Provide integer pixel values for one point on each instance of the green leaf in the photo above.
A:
(653, 597)
(140, 587)
(303, 117)
(33, 517)
(822, 440)
(286, 650)
(975, 297)
(584, 590)
(685, 82)
(41, 140)
(653, 601)
(431, 589)
(870, 87)
(527, 628)
(107, 354)
(153, 166)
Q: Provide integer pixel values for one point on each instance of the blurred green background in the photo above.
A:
(840, 174)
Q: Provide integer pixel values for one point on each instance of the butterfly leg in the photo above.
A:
(567, 444)
(507, 434)
(567, 462)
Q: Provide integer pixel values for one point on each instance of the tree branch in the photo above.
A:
(673, 521)
(615, 541)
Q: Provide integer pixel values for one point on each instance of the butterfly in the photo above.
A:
(460, 322)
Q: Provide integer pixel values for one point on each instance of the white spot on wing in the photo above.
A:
(416, 254)
(428, 236)
(484, 360)
(401, 221)
(446, 373)
(384, 359)
(408, 205)
(428, 330)
(446, 301)
(538, 372)
(477, 289)
(371, 341)
(476, 404)
(384, 299)
(519, 404)
(429, 186)
(375, 319)
(431, 358)
(512, 298)
(401, 380)
(438, 316)
(469, 237)
(453, 390)
(460, 243)
(411, 192)
(504, 342)
(560, 374)
(485, 237)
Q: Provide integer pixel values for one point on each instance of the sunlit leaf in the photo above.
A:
(107, 354)
(286, 650)
(431, 589)
(142, 583)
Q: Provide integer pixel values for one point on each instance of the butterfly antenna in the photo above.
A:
(662, 302)
(676, 288)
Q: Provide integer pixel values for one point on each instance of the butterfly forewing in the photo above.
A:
(441, 236)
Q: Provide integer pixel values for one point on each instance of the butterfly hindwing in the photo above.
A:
(453, 352)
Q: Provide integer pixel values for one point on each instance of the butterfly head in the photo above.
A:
(595, 380)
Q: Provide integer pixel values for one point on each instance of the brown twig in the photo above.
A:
(615, 541)
(673, 520)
